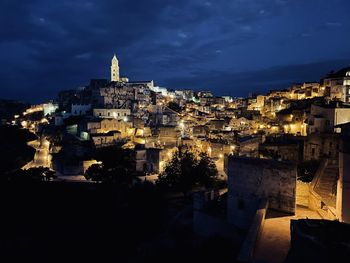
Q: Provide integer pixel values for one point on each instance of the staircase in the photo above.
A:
(324, 187)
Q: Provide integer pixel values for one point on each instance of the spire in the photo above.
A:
(114, 59)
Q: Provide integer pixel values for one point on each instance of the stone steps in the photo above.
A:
(326, 183)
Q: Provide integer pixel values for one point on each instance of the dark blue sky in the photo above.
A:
(229, 46)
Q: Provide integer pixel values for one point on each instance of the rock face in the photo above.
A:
(250, 180)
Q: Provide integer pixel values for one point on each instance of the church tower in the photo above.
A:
(115, 69)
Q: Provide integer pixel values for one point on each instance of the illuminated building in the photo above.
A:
(115, 69)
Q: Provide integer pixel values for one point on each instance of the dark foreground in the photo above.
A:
(57, 221)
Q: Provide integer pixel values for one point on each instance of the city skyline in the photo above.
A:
(231, 48)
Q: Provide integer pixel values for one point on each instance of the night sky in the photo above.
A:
(230, 47)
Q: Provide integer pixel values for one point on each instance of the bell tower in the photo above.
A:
(115, 69)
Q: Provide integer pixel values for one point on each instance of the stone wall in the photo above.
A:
(251, 179)
(248, 247)
(302, 193)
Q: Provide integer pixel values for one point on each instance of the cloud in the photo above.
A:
(49, 45)
(240, 83)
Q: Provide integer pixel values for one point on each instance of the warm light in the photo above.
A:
(233, 147)
(24, 124)
(221, 155)
(125, 119)
(181, 125)
(130, 131)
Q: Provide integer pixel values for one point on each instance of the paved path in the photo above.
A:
(274, 243)
(42, 155)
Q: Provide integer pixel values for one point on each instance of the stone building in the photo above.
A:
(147, 160)
(252, 180)
(80, 109)
(200, 131)
(161, 115)
(324, 117)
(337, 85)
(100, 125)
(318, 146)
(343, 187)
(106, 139)
(283, 148)
(119, 114)
(168, 136)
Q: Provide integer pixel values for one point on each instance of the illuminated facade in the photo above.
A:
(115, 69)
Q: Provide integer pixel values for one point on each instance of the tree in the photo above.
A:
(95, 173)
(15, 152)
(34, 174)
(185, 171)
(117, 166)
(206, 170)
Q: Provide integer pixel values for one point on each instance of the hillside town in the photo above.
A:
(286, 151)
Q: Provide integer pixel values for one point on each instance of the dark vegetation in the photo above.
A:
(31, 175)
(9, 108)
(117, 165)
(15, 152)
(186, 172)
(57, 221)
(112, 221)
